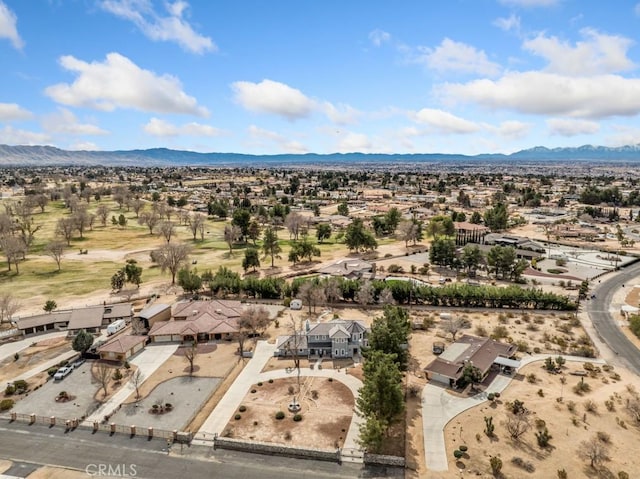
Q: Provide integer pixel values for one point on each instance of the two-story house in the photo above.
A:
(334, 339)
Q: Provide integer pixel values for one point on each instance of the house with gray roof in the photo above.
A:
(335, 339)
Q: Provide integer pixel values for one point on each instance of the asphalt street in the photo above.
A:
(84, 451)
(604, 322)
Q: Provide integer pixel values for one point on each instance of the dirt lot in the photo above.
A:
(326, 414)
(31, 357)
(572, 420)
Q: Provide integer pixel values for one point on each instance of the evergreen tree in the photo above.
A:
(270, 245)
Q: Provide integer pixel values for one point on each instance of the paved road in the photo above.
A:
(77, 449)
(599, 311)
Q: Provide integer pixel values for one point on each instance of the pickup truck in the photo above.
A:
(62, 373)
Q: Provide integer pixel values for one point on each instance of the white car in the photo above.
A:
(62, 373)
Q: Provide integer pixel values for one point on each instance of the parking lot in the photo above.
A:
(78, 385)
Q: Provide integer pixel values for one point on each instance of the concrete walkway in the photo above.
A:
(439, 407)
(147, 361)
(227, 406)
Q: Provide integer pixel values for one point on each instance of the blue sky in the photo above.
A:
(298, 76)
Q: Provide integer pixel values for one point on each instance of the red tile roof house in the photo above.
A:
(121, 347)
(199, 320)
(483, 353)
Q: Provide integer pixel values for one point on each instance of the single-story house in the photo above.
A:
(199, 320)
(348, 268)
(481, 352)
(91, 319)
(121, 347)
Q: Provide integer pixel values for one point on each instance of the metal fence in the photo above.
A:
(110, 428)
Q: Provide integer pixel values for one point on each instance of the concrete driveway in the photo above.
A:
(10, 348)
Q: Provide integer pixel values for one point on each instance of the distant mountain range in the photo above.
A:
(51, 156)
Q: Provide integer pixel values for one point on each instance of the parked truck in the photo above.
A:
(116, 326)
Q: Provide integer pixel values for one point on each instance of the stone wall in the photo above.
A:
(277, 449)
(381, 460)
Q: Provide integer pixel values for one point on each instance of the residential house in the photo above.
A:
(332, 340)
(121, 347)
(483, 353)
(349, 269)
(199, 320)
(91, 319)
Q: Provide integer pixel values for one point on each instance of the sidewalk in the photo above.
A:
(221, 415)
(439, 407)
(150, 359)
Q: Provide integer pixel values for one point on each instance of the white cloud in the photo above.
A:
(65, 122)
(83, 146)
(550, 94)
(597, 53)
(513, 129)
(530, 3)
(119, 83)
(170, 27)
(457, 57)
(8, 26)
(13, 112)
(341, 114)
(444, 121)
(623, 135)
(259, 135)
(11, 136)
(158, 127)
(378, 37)
(508, 24)
(355, 142)
(570, 127)
(273, 97)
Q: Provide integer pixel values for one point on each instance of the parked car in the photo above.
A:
(77, 363)
(62, 373)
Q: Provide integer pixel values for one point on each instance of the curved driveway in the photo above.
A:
(599, 310)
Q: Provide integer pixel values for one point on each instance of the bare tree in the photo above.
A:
(365, 294)
(196, 223)
(190, 354)
(150, 219)
(103, 213)
(293, 346)
(408, 231)
(167, 229)
(386, 297)
(14, 250)
(137, 379)
(332, 290)
(294, 223)
(517, 424)
(136, 205)
(8, 306)
(120, 195)
(81, 218)
(65, 228)
(6, 224)
(453, 325)
(55, 249)
(171, 257)
(102, 374)
(306, 294)
(25, 222)
(255, 319)
(594, 450)
(232, 234)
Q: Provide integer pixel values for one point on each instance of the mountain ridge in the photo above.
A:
(44, 155)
